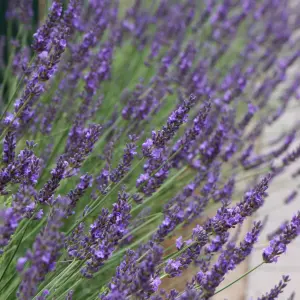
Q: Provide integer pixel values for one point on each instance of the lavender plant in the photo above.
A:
(127, 123)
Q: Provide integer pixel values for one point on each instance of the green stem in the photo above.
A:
(94, 207)
(8, 282)
(56, 279)
(34, 231)
(13, 255)
(141, 226)
(68, 279)
(238, 279)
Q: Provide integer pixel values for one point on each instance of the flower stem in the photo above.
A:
(238, 279)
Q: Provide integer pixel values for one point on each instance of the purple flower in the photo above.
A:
(279, 242)
(124, 166)
(156, 282)
(70, 295)
(21, 263)
(229, 217)
(74, 195)
(77, 75)
(182, 147)
(212, 147)
(103, 181)
(22, 207)
(277, 290)
(169, 57)
(277, 231)
(44, 295)
(179, 209)
(154, 149)
(224, 194)
(189, 294)
(103, 237)
(179, 243)
(100, 69)
(177, 118)
(248, 116)
(175, 267)
(9, 146)
(227, 261)
(136, 275)
(292, 196)
(44, 253)
(81, 144)
(186, 59)
(42, 37)
(291, 157)
(57, 174)
(49, 43)
(224, 219)
(24, 169)
(217, 243)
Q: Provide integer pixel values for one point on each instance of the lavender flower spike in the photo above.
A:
(278, 289)
(43, 36)
(104, 235)
(24, 169)
(227, 261)
(9, 145)
(45, 252)
(74, 195)
(278, 243)
(177, 118)
(136, 275)
(57, 174)
(291, 197)
(124, 166)
(22, 207)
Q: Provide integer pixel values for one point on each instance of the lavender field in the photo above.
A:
(150, 150)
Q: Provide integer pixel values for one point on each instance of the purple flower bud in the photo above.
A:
(136, 277)
(124, 166)
(227, 261)
(21, 263)
(74, 195)
(9, 145)
(104, 235)
(291, 197)
(22, 207)
(278, 243)
(179, 243)
(291, 157)
(278, 289)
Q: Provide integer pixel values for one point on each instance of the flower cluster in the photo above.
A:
(45, 251)
(278, 289)
(278, 243)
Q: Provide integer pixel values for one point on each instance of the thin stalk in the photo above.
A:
(94, 207)
(36, 228)
(68, 279)
(141, 226)
(238, 279)
(12, 257)
(69, 289)
(8, 282)
(56, 279)
(14, 93)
